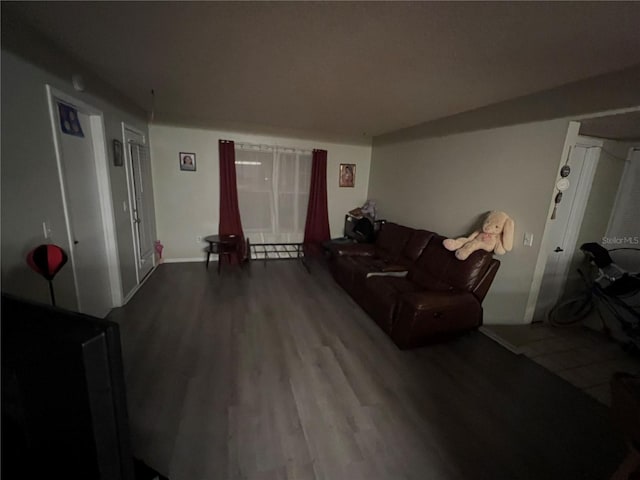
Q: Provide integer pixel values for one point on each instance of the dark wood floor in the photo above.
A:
(280, 375)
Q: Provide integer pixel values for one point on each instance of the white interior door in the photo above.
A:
(563, 233)
(89, 257)
(142, 207)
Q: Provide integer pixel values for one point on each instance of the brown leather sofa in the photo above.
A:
(417, 291)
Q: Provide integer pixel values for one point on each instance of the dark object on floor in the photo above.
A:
(64, 407)
(145, 472)
(625, 409)
(416, 290)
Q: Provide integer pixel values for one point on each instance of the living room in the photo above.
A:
(434, 149)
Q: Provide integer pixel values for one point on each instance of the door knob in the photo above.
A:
(558, 249)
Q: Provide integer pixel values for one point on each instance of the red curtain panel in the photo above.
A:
(316, 229)
(230, 223)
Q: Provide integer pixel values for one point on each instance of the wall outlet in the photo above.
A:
(199, 239)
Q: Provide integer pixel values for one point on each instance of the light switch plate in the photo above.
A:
(46, 230)
(528, 239)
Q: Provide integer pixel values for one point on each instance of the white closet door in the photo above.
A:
(142, 208)
(89, 256)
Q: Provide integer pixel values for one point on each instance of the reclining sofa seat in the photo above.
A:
(440, 295)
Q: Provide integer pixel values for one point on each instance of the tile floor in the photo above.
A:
(584, 357)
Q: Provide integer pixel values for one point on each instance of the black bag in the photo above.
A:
(363, 230)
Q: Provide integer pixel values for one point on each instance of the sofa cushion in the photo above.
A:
(439, 270)
(390, 286)
(391, 240)
(415, 246)
(362, 266)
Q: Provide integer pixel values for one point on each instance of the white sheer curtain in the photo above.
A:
(273, 192)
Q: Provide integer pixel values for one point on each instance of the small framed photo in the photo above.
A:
(187, 161)
(118, 153)
(347, 175)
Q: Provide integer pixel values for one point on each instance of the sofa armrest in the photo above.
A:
(354, 249)
(481, 289)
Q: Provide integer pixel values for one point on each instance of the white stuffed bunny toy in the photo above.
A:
(496, 236)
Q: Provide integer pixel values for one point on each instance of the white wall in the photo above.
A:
(187, 203)
(30, 188)
(445, 183)
(442, 174)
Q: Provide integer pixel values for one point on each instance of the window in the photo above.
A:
(273, 192)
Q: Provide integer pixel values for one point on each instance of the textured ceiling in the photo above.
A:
(353, 69)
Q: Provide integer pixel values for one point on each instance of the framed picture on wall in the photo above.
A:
(347, 175)
(118, 153)
(187, 161)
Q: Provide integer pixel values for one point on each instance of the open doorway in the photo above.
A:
(616, 141)
(564, 226)
(604, 212)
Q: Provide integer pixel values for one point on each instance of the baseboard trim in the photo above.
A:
(498, 339)
(135, 289)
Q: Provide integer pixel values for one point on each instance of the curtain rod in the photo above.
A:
(255, 146)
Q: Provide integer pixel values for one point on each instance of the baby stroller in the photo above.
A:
(611, 290)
